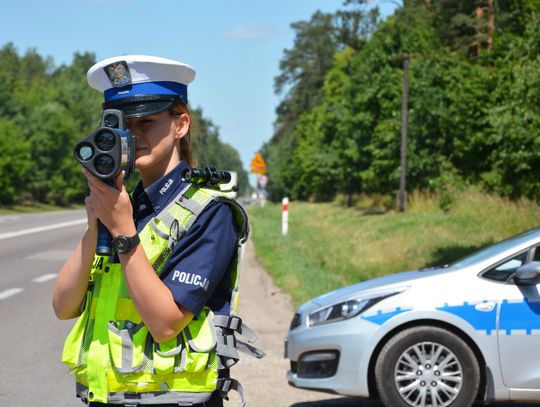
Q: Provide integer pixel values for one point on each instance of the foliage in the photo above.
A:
(45, 110)
(328, 246)
(473, 101)
(15, 162)
(209, 149)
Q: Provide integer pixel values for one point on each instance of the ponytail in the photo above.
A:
(186, 152)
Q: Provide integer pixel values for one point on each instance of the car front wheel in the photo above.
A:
(427, 366)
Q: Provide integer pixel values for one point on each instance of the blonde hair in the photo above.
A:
(186, 152)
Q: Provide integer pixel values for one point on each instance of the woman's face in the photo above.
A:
(157, 137)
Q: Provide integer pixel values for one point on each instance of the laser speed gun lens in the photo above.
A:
(105, 141)
(104, 164)
(111, 120)
(85, 152)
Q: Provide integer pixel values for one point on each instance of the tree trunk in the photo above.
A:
(491, 24)
(479, 17)
(428, 5)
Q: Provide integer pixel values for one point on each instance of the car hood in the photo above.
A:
(398, 280)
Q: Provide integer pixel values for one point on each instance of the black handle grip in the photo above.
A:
(104, 238)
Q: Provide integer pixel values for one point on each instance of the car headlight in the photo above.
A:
(347, 309)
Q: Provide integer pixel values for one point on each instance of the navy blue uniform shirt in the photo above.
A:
(197, 272)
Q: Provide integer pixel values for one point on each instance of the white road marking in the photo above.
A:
(44, 278)
(10, 292)
(23, 232)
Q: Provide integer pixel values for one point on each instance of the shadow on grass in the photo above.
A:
(447, 255)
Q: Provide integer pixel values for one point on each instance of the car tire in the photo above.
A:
(424, 364)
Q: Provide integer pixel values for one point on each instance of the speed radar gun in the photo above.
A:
(208, 176)
(105, 153)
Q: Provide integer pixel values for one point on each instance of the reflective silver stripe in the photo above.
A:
(247, 333)
(226, 385)
(166, 218)
(226, 321)
(191, 221)
(250, 350)
(165, 397)
(174, 351)
(183, 361)
(191, 205)
(228, 347)
(127, 349)
(228, 355)
(236, 324)
(192, 343)
(181, 398)
(244, 232)
(236, 286)
(127, 352)
(164, 215)
(158, 231)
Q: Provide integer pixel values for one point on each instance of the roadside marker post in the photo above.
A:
(284, 216)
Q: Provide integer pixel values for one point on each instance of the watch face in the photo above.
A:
(122, 244)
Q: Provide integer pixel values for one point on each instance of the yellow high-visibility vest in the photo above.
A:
(110, 350)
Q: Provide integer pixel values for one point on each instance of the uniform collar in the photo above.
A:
(161, 192)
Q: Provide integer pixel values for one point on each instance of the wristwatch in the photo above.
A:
(124, 244)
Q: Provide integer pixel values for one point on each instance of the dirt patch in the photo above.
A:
(269, 311)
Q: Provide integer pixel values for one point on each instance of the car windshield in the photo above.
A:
(489, 251)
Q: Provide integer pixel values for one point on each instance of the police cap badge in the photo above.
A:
(118, 74)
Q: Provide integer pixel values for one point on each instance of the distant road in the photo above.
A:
(32, 249)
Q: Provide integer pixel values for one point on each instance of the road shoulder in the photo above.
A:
(265, 308)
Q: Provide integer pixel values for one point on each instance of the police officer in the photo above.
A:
(155, 320)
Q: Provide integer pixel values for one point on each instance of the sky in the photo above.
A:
(234, 45)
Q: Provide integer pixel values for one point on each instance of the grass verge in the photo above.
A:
(33, 208)
(329, 246)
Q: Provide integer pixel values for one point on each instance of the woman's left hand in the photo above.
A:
(112, 204)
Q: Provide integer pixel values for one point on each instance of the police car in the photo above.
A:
(432, 337)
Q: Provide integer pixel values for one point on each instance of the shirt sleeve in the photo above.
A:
(202, 258)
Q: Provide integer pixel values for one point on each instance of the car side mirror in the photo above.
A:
(529, 274)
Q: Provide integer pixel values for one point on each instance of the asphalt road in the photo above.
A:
(32, 250)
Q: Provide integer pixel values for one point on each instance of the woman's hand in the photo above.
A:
(109, 204)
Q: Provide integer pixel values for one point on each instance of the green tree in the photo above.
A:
(473, 108)
(45, 111)
(303, 71)
(210, 150)
(15, 163)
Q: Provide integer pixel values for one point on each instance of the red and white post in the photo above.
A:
(284, 216)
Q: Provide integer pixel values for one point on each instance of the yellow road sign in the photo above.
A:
(258, 161)
(258, 166)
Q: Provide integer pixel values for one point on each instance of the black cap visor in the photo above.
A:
(144, 105)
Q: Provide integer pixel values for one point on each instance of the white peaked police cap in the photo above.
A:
(141, 85)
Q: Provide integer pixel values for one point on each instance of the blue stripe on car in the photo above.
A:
(523, 315)
(480, 320)
(381, 317)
